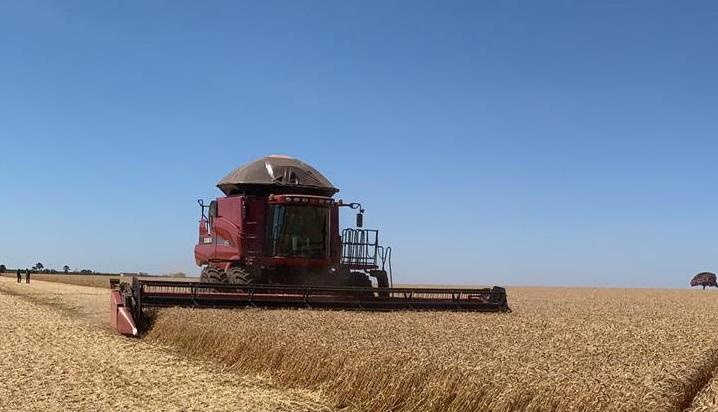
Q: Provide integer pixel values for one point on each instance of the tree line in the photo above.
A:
(40, 268)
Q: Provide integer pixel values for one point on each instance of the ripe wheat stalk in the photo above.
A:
(561, 349)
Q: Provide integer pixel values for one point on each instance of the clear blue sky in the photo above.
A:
(551, 143)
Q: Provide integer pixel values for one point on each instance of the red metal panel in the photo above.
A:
(227, 228)
(254, 229)
(125, 323)
(120, 316)
(230, 208)
(114, 303)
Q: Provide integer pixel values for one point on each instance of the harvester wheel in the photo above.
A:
(382, 281)
(359, 280)
(204, 277)
(216, 276)
(240, 276)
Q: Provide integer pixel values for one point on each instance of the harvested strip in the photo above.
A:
(86, 303)
(99, 281)
(49, 361)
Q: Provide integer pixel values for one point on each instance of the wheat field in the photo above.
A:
(573, 349)
(560, 349)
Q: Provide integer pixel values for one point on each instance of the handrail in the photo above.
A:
(360, 246)
(385, 255)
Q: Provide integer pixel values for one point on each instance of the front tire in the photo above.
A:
(240, 276)
(359, 280)
(382, 281)
(207, 273)
(212, 275)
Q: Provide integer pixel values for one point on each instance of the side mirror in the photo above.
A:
(360, 219)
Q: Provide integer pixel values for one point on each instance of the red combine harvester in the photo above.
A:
(274, 241)
(278, 224)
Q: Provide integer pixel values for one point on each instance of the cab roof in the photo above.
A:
(276, 174)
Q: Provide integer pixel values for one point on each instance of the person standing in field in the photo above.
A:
(19, 276)
(27, 275)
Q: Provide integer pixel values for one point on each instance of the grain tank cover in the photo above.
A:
(276, 175)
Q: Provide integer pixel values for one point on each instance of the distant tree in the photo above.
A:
(39, 266)
(66, 269)
(86, 271)
(3, 269)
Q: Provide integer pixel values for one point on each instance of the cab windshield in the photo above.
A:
(298, 231)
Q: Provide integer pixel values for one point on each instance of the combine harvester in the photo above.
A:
(273, 241)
